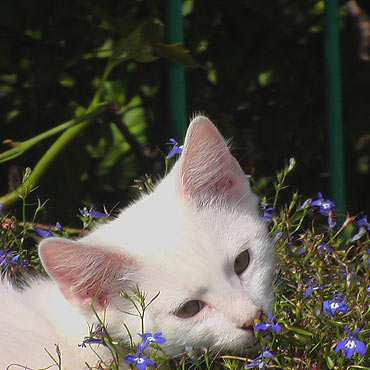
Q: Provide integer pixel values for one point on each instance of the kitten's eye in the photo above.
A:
(189, 309)
(241, 262)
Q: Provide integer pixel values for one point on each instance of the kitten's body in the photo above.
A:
(181, 240)
(36, 319)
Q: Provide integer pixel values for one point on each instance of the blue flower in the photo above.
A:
(91, 213)
(260, 360)
(150, 338)
(311, 288)
(176, 149)
(267, 213)
(331, 306)
(326, 208)
(141, 362)
(348, 274)
(362, 222)
(90, 340)
(8, 259)
(96, 337)
(323, 247)
(368, 291)
(306, 204)
(351, 344)
(269, 324)
(362, 227)
(43, 233)
(277, 237)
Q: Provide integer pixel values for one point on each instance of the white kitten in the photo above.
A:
(198, 239)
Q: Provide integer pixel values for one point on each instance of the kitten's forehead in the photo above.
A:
(205, 245)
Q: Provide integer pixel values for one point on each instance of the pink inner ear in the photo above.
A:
(83, 272)
(208, 168)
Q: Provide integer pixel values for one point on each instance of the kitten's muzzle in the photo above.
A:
(248, 325)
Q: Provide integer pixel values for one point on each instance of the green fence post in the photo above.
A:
(333, 101)
(176, 73)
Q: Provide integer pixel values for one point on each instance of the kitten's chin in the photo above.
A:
(241, 344)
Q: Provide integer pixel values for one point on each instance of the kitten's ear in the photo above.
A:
(208, 170)
(84, 272)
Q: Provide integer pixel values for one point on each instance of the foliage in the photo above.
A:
(259, 77)
(124, 39)
(321, 311)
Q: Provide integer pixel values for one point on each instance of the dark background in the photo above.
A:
(260, 79)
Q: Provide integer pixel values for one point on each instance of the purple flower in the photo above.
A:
(351, 344)
(260, 360)
(362, 225)
(176, 149)
(90, 340)
(307, 203)
(326, 208)
(277, 237)
(323, 247)
(267, 213)
(96, 337)
(362, 222)
(348, 274)
(269, 324)
(311, 288)
(141, 362)
(8, 259)
(150, 338)
(368, 291)
(331, 306)
(91, 213)
(43, 233)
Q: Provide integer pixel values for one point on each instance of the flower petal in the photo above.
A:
(360, 347)
(130, 359)
(260, 326)
(348, 351)
(340, 345)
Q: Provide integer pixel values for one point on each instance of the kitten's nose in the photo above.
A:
(248, 325)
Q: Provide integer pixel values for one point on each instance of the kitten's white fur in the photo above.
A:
(180, 240)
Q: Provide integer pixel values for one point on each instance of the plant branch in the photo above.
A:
(21, 147)
(63, 140)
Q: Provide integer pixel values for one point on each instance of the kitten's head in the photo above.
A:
(198, 239)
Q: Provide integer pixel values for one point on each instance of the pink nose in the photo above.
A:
(248, 325)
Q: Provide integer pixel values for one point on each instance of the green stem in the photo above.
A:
(95, 101)
(44, 163)
(24, 219)
(63, 140)
(25, 145)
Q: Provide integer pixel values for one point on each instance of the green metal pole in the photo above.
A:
(333, 101)
(176, 73)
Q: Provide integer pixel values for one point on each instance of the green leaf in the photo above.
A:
(301, 331)
(136, 42)
(329, 362)
(128, 45)
(176, 53)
